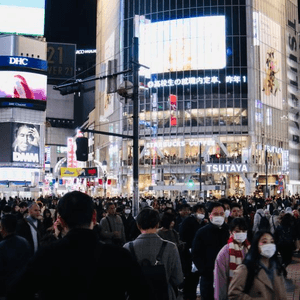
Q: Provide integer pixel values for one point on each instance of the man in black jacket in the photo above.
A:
(15, 252)
(207, 243)
(78, 266)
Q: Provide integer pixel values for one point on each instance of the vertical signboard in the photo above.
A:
(292, 56)
(173, 110)
(71, 155)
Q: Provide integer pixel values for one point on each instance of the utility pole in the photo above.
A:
(266, 165)
(200, 171)
(135, 99)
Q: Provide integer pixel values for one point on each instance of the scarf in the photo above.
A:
(235, 254)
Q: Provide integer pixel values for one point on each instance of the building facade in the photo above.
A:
(218, 79)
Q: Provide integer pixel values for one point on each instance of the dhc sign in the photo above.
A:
(24, 62)
(18, 61)
(226, 168)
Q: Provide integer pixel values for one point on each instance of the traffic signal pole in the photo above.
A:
(135, 99)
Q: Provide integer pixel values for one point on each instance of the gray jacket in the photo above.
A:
(107, 229)
(148, 245)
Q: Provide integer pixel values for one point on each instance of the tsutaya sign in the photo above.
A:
(226, 168)
(165, 144)
(194, 81)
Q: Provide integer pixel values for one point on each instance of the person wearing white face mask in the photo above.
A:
(260, 276)
(187, 232)
(209, 240)
(230, 257)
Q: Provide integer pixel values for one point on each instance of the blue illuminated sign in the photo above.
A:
(25, 62)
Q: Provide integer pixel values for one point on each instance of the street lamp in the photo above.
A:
(104, 168)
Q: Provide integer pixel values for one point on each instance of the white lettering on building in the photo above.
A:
(195, 81)
(25, 157)
(226, 168)
(20, 61)
(166, 144)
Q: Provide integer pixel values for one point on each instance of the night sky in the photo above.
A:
(71, 21)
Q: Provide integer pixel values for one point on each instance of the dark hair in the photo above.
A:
(23, 204)
(184, 206)
(9, 223)
(212, 205)
(234, 204)
(287, 220)
(166, 219)
(238, 222)
(108, 204)
(253, 256)
(7, 209)
(198, 206)
(47, 210)
(148, 218)
(76, 209)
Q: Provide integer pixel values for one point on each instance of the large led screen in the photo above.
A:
(22, 17)
(23, 85)
(182, 44)
(26, 143)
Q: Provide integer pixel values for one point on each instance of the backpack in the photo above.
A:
(155, 275)
(264, 223)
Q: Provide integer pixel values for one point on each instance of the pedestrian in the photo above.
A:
(260, 276)
(148, 244)
(230, 257)
(15, 252)
(112, 228)
(31, 227)
(187, 232)
(80, 266)
(208, 242)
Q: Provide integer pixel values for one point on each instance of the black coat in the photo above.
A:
(15, 252)
(23, 229)
(209, 240)
(79, 267)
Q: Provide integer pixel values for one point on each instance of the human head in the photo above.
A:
(237, 225)
(235, 210)
(76, 210)
(167, 220)
(34, 210)
(216, 213)
(260, 238)
(110, 208)
(148, 218)
(198, 208)
(6, 209)
(47, 213)
(26, 137)
(8, 224)
(23, 206)
(184, 210)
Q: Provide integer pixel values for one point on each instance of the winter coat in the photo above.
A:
(262, 288)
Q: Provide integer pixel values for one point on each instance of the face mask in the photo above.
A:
(240, 237)
(227, 213)
(218, 221)
(200, 216)
(127, 211)
(268, 250)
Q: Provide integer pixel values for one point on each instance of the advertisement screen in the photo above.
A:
(22, 17)
(23, 85)
(26, 143)
(183, 44)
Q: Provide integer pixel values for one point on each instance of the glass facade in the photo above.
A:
(213, 82)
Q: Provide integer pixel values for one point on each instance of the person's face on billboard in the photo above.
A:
(26, 138)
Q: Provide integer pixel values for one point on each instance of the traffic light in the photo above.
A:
(190, 183)
(82, 149)
(100, 181)
(71, 89)
(108, 181)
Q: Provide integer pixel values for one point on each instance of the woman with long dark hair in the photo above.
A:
(261, 274)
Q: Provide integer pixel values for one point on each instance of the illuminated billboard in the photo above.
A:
(23, 85)
(183, 44)
(26, 143)
(22, 17)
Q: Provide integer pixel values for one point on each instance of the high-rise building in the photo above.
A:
(221, 80)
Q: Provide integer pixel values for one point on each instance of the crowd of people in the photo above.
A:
(66, 248)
